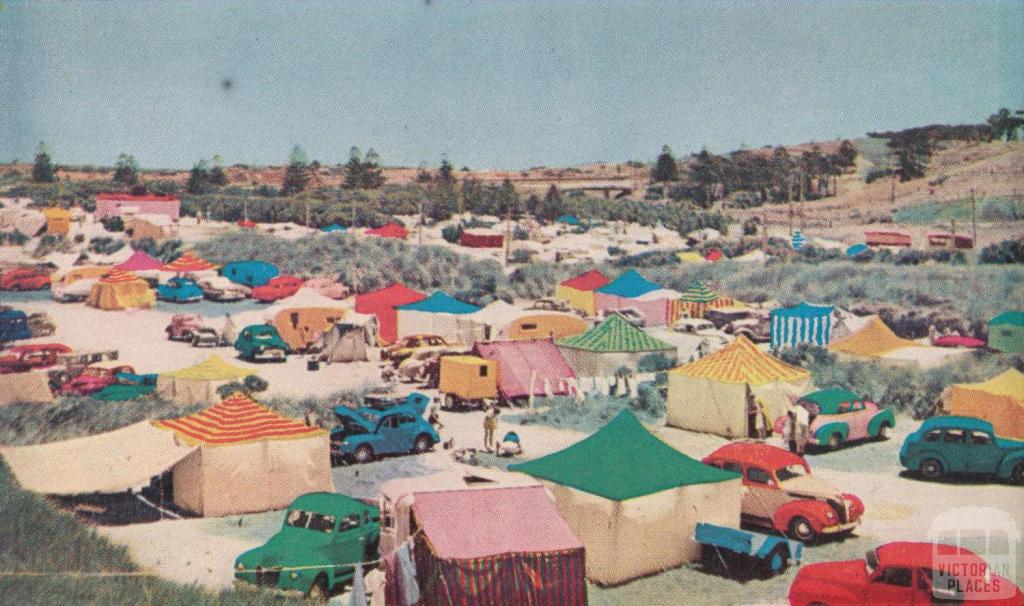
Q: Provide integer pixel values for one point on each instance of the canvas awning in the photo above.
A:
(615, 334)
(873, 340)
(108, 462)
(629, 285)
(741, 362)
(213, 368)
(236, 420)
(189, 263)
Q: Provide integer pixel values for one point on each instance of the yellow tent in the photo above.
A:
(578, 292)
(690, 256)
(1000, 400)
(874, 340)
(120, 290)
(710, 395)
(198, 384)
(469, 377)
(58, 221)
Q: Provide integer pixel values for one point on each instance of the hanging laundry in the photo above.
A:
(358, 589)
(407, 578)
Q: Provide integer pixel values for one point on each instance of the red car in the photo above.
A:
(904, 573)
(24, 278)
(95, 378)
(779, 492)
(277, 288)
(23, 358)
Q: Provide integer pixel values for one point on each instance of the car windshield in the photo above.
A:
(790, 471)
(263, 336)
(298, 518)
(871, 562)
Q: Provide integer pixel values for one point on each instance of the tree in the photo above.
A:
(296, 176)
(363, 173)
(423, 175)
(553, 205)
(198, 178)
(126, 170)
(665, 168)
(42, 170)
(218, 177)
(1003, 124)
(782, 166)
(846, 155)
(445, 172)
(912, 150)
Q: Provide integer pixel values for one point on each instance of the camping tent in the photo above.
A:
(634, 500)
(249, 459)
(1000, 400)
(25, 388)
(198, 384)
(382, 303)
(803, 323)
(120, 290)
(660, 306)
(857, 249)
(58, 221)
(332, 228)
(1006, 332)
(613, 343)
(690, 256)
(140, 261)
(510, 546)
(482, 238)
(391, 230)
(249, 273)
(699, 298)
(528, 368)
(873, 340)
(350, 339)
(579, 291)
(303, 318)
(542, 325)
(441, 315)
(109, 462)
(568, 220)
(710, 394)
(189, 263)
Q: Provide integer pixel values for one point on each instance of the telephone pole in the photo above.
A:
(974, 218)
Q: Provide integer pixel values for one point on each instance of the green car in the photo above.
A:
(322, 533)
(261, 342)
(962, 445)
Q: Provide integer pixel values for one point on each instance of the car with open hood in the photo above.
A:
(840, 416)
(780, 493)
(364, 433)
(952, 445)
(261, 342)
(321, 535)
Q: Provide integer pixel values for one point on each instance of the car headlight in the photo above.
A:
(830, 515)
(294, 575)
(240, 567)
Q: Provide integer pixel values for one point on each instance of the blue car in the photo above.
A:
(365, 433)
(179, 290)
(417, 400)
(962, 445)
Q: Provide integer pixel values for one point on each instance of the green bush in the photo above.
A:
(654, 362)
(648, 399)
(115, 224)
(452, 233)
(1007, 251)
(103, 245)
(255, 384)
(227, 389)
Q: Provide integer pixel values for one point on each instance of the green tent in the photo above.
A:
(1006, 332)
(610, 345)
(622, 461)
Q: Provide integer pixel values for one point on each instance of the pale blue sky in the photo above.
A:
(491, 84)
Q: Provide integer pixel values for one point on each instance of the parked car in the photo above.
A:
(417, 400)
(904, 573)
(409, 345)
(41, 325)
(13, 325)
(364, 434)
(631, 314)
(780, 493)
(699, 327)
(328, 287)
(321, 530)
(750, 322)
(94, 378)
(206, 336)
(839, 416)
(962, 445)
(75, 292)
(24, 278)
(261, 342)
(219, 288)
(23, 358)
(277, 288)
(179, 290)
(127, 386)
(183, 327)
(550, 305)
(424, 366)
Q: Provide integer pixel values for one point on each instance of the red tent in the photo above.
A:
(247, 223)
(481, 240)
(139, 261)
(714, 255)
(391, 230)
(523, 362)
(592, 280)
(382, 303)
(509, 546)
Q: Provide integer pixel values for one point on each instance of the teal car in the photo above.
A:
(323, 533)
(962, 445)
(261, 342)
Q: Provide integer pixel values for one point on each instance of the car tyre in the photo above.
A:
(931, 469)
(883, 432)
(318, 590)
(422, 444)
(1017, 475)
(800, 529)
(363, 454)
(776, 563)
(835, 441)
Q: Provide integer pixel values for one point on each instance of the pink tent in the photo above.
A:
(139, 261)
(519, 362)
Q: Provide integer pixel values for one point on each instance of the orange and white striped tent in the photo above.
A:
(119, 289)
(189, 263)
(249, 458)
(710, 394)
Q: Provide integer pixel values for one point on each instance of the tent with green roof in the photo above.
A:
(634, 500)
(611, 344)
(1006, 332)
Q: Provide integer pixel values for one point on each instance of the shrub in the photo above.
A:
(255, 384)
(112, 223)
(654, 362)
(648, 399)
(452, 233)
(12, 238)
(520, 233)
(102, 245)
(1007, 251)
(615, 251)
(520, 255)
(227, 389)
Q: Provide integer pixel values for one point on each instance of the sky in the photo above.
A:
(489, 84)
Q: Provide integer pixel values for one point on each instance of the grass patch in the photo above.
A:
(988, 210)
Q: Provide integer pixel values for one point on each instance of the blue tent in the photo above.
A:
(14, 326)
(803, 323)
(568, 220)
(333, 227)
(857, 249)
(440, 303)
(249, 273)
(629, 285)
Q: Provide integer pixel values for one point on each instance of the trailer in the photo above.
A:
(743, 554)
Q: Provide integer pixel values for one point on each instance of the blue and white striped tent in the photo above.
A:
(803, 323)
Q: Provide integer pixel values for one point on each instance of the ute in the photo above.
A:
(261, 342)
(780, 493)
(962, 445)
(322, 535)
(365, 433)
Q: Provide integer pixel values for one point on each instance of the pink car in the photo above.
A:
(95, 378)
(839, 416)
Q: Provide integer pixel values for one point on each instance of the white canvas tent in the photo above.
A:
(198, 384)
(350, 340)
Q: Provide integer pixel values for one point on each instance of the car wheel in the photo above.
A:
(776, 562)
(801, 529)
(883, 432)
(423, 443)
(195, 341)
(318, 590)
(1017, 476)
(931, 469)
(363, 454)
(835, 440)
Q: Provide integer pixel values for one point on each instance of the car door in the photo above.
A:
(955, 449)
(891, 585)
(348, 544)
(389, 435)
(760, 496)
(983, 455)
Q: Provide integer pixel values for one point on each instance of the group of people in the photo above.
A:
(509, 445)
(795, 432)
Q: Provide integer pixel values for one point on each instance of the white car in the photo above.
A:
(75, 292)
(631, 314)
(219, 288)
(700, 327)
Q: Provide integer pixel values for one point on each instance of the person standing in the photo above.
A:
(490, 426)
(802, 427)
(434, 414)
(789, 430)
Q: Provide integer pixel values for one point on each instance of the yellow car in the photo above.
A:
(406, 346)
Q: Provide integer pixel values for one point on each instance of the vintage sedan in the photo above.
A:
(261, 342)
(321, 531)
(94, 378)
(962, 445)
(277, 288)
(839, 416)
(179, 290)
(904, 573)
(363, 434)
(409, 345)
(780, 493)
(24, 278)
(23, 358)
(221, 289)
